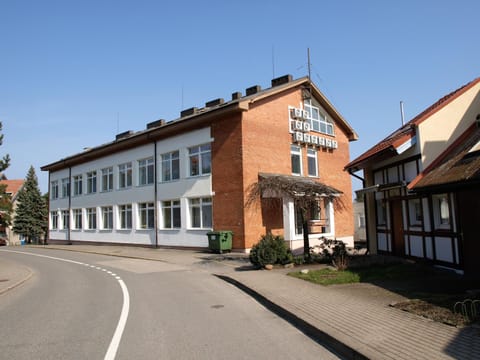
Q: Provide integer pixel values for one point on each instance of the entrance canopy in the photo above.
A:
(277, 185)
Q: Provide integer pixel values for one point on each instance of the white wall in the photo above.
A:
(182, 189)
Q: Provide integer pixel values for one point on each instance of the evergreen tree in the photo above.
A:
(5, 199)
(31, 214)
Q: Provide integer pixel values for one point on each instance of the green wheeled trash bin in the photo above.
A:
(220, 241)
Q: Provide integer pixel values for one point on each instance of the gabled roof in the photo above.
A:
(13, 187)
(194, 118)
(458, 165)
(389, 145)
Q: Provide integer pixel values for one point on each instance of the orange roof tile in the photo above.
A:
(406, 131)
(13, 186)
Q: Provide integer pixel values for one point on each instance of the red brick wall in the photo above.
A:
(259, 141)
(227, 179)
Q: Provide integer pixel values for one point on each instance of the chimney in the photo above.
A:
(281, 80)
(236, 95)
(191, 111)
(215, 102)
(124, 135)
(253, 90)
(156, 123)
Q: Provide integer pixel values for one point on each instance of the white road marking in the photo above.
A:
(117, 335)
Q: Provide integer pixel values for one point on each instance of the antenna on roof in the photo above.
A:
(273, 62)
(309, 65)
(118, 122)
(402, 114)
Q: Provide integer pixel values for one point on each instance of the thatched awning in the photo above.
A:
(294, 186)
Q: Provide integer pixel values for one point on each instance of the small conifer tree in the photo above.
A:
(31, 213)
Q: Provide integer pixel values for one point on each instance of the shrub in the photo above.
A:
(270, 250)
(336, 252)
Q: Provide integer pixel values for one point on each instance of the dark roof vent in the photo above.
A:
(253, 90)
(236, 95)
(156, 123)
(215, 102)
(285, 79)
(124, 135)
(191, 111)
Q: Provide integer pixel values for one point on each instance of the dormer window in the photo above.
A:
(318, 120)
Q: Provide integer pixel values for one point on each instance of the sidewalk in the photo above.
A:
(12, 274)
(353, 319)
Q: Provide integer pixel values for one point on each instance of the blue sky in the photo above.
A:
(75, 73)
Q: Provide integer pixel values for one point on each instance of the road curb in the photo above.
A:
(309, 330)
(19, 282)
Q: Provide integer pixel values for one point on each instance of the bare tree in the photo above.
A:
(304, 192)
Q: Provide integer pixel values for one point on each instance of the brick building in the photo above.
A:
(171, 183)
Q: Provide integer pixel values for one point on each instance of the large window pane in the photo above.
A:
(296, 157)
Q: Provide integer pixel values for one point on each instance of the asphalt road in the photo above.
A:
(71, 310)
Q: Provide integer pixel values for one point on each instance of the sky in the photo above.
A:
(73, 74)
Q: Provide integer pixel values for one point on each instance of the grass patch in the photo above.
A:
(430, 292)
(328, 276)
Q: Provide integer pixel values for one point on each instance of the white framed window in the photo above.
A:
(146, 215)
(381, 209)
(107, 217)
(441, 211)
(312, 162)
(145, 171)
(91, 218)
(171, 166)
(91, 182)
(65, 219)
(296, 156)
(200, 160)
(77, 185)
(77, 219)
(125, 175)
(317, 119)
(54, 190)
(171, 217)
(53, 220)
(200, 213)
(415, 212)
(65, 187)
(125, 216)
(107, 179)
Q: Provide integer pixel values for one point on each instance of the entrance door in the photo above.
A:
(469, 211)
(398, 241)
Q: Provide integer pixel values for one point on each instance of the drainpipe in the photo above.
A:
(364, 209)
(47, 235)
(69, 239)
(155, 186)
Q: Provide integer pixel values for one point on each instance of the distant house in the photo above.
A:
(13, 188)
(360, 234)
(422, 182)
(173, 182)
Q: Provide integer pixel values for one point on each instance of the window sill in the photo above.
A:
(198, 176)
(169, 181)
(199, 229)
